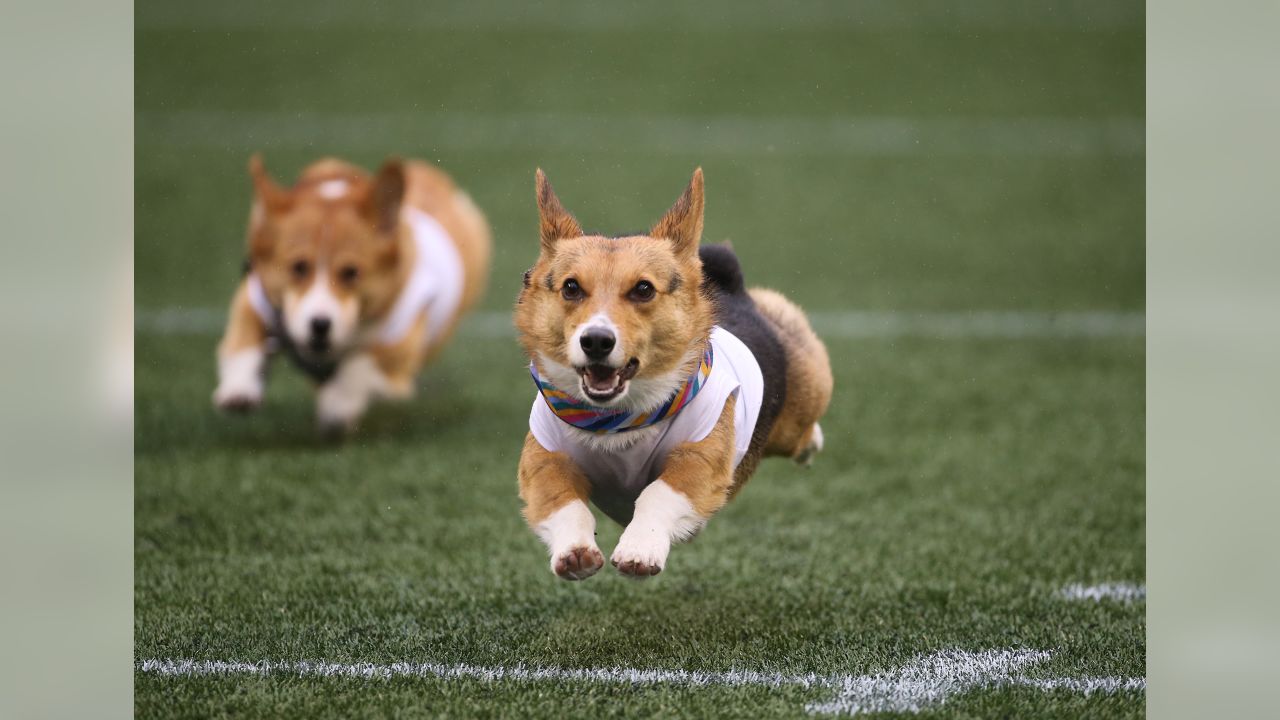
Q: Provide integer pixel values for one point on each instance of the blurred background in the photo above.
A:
(925, 155)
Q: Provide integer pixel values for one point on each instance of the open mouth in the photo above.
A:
(602, 383)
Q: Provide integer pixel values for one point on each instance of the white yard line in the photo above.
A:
(1085, 686)
(778, 16)
(982, 324)
(924, 682)
(849, 324)
(1122, 592)
(702, 136)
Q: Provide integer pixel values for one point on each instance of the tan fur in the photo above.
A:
(665, 334)
(703, 470)
(432, 191)
(809, 381)
(660, 333)
(244, 328)
(361, 229)
(548, 481)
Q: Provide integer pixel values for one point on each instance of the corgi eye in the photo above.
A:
(300, 269)
(349, 274)
(572, 290)
(642, 292)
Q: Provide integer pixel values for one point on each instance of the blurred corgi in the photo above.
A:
(661, 383)
(360, 279)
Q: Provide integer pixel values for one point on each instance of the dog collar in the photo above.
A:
(601, 422)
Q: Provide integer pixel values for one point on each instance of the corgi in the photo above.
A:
(359, 279)
(662, 381)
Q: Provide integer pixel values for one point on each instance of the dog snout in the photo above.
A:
(320, 327)
(597, 343)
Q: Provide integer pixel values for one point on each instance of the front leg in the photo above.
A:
(695, 483)
(555, 493)
(344, 398)
(242, 357)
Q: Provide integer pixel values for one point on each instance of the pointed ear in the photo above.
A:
(682, 224)
(555, 223)
(267, 193)
(382, 203)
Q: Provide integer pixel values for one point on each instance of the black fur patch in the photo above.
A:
(549, 281)
(319, 371)
(736, 312)
(676, 281)
(720, 268)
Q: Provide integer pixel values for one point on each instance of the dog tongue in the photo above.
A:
(601, 378)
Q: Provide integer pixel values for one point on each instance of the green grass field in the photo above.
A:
(898, 158)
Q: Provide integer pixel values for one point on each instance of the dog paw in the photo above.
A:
(641, 554)
(238, 397)
(343, 400)
(337, 412)
(637, 569)
(335, 429)
(806, 454)
(578, 563)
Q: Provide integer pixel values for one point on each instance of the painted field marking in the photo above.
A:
(924, 682)
(982, 324)
(849, 324)
(939, 15)
(1122, 592)
(710, 135)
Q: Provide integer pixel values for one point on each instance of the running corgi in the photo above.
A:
(360, 279)
(661, 383)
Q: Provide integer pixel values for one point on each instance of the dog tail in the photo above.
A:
(721, 270)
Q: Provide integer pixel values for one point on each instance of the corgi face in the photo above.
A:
(327, 253)
(616, 322)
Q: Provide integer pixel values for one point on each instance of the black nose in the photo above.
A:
(597, 343)
(320, 327)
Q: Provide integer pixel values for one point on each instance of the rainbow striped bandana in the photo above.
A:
(605, 421)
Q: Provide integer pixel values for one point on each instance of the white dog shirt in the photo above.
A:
(619, 475)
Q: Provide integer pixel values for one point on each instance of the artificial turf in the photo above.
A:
(965, 479)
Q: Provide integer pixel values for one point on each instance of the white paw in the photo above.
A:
(240, 385)
(808, 452)
(577, 563)
(337, 411)
(238, 397)
(642, 551)
(662, 515)
(341, 402)
(570, 535)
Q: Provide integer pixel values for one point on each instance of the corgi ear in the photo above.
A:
(381, 205)
(267, 194)
(682, 224)
(555, 223)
